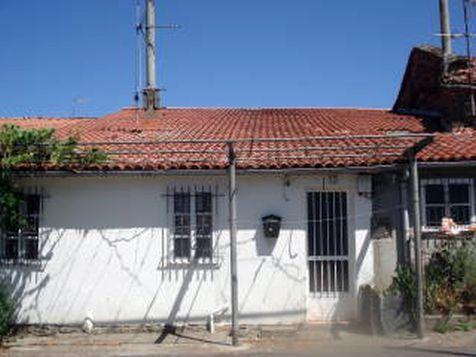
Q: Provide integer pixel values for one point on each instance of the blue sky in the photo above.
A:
(61, 58)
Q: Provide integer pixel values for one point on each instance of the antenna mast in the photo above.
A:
(445, 28)
(447, 38)
(151, 92)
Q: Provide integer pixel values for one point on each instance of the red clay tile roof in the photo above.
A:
(139, 141)
(451, 147)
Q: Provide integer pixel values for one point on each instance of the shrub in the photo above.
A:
(450, 284)
(443, 326)
(469, 292)
(404, 284)
(6, 310)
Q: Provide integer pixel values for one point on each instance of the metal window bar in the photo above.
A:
(22, 245)
(182, 225)
(203, 231)
(30, 233)
(328, 243)
(199, 226)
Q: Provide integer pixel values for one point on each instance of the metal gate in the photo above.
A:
(328, 251)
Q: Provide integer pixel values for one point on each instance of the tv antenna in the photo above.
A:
(447, 36)
(146, 29)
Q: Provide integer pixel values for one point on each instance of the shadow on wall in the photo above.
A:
(278, 257)
(356, 325)
(28, 283)
(106, 220)
(122, 210)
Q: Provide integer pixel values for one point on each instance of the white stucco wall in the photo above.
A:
(103, 239)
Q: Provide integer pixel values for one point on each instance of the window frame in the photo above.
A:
(186, 229)
(193, 226)
(23, 235)
(446, 183)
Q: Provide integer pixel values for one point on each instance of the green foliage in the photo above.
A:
(469, 283)
(10, 200)
(23, 146)
(451, 279)
(450, 285)
(31, 147)
(20, 146)
(6, 310)
(443, 326)
(404, 284)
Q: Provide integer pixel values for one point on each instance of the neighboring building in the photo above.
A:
(144, 237)
(442, 92)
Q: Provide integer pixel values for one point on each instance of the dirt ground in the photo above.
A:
(303, 340)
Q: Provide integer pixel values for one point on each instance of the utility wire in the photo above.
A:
(467, 30)
(138, 55)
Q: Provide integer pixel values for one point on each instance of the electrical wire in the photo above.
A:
(138, 54)
(467, 27)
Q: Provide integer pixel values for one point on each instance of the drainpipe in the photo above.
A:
(405, 219)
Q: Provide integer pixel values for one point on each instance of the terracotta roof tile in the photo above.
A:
(459, 146)
(136, 140)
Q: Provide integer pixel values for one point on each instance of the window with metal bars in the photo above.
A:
(328, 244)
(193, 225)
(452, 198)
(21, 243)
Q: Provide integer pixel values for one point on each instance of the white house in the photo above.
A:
(108, 249)
(144, 237)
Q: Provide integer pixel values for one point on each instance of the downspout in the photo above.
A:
(404, 246)
(411, 155)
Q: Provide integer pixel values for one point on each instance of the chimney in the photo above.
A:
(151, 92)
(445, 28)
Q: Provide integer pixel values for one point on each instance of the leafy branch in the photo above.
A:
(33, 147)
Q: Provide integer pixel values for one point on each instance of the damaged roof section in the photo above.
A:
(440, 88)
(460, 72)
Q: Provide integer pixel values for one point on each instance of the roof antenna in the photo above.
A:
(151, 94)
(446, 36)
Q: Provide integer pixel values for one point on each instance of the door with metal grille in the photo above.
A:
(329, 263)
